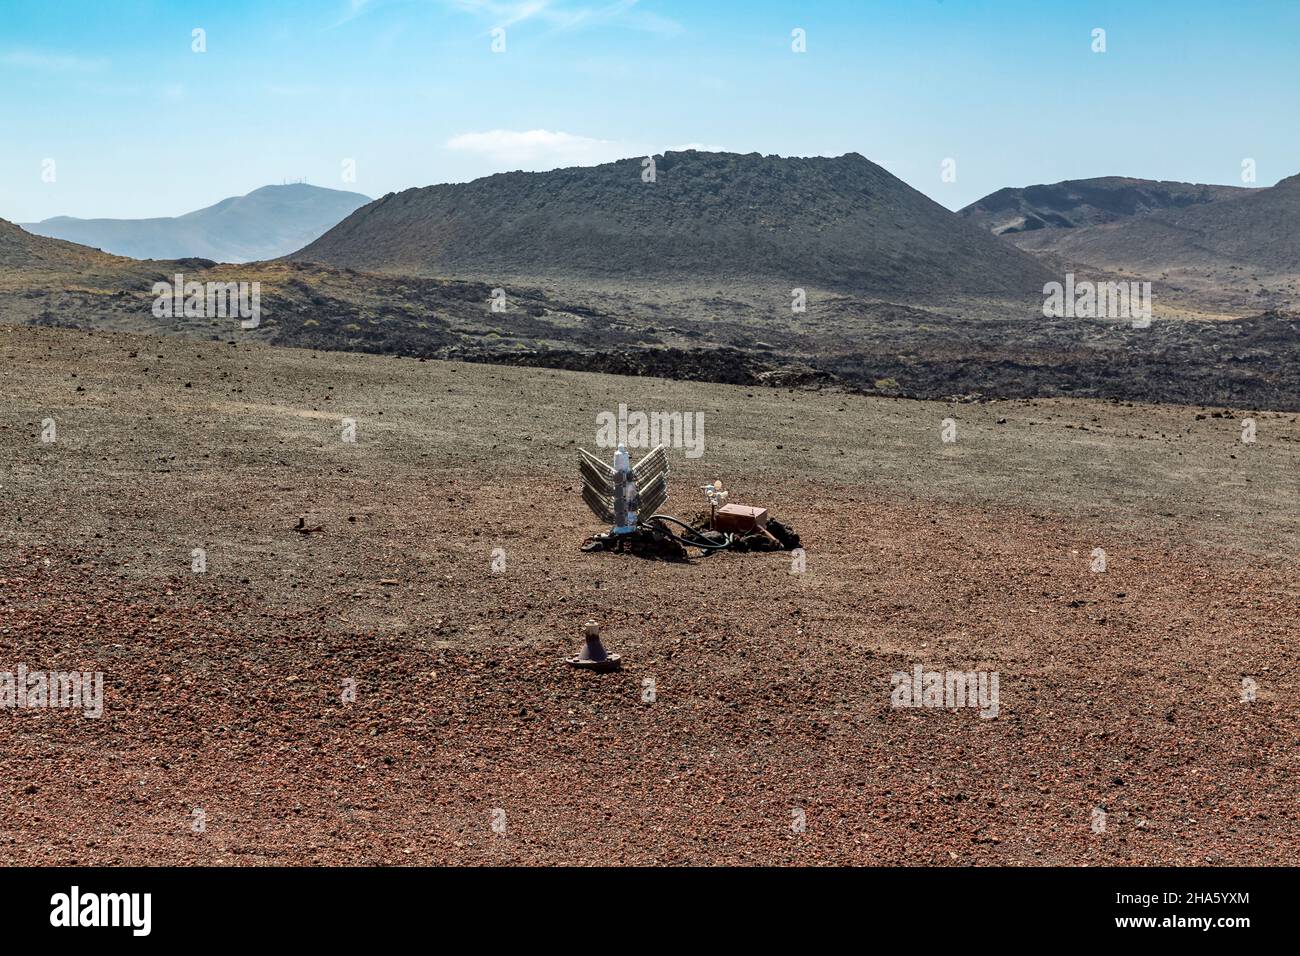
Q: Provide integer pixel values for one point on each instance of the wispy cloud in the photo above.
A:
(353, 9)
(537, 148)
(542, 149)
(506, 14)
(559, 15)
(628, 13)
(51, 62)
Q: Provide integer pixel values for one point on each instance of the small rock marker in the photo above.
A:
(593, 655)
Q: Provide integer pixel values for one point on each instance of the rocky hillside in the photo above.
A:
(841, 223)
(1086, 202)
(20, 249)
(1256, 232)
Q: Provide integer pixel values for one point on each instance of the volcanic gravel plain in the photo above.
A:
(371, 667)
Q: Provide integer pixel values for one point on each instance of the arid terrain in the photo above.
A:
(1225, 245)
(839, 222)
(1122, 691)
(1080, 203)
(325, 650)
(929, 347)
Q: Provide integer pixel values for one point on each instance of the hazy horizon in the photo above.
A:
(340, 188)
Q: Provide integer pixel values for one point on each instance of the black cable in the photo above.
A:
(697, 534)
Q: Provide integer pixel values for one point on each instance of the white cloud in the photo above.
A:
(506, 14)
(50, 62)
(538, 148)
(353, 9)
(559, 15)
(563, 16)
(542, 149)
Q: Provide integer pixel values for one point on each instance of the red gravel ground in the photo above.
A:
(1120, 691)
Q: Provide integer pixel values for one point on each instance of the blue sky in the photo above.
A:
(138, 124)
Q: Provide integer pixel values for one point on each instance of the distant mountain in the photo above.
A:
(1247, 242)
(265, 224)
(1087, 202)
(838, 223)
